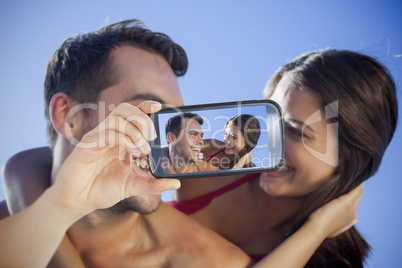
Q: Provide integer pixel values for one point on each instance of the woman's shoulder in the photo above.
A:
(26, 175)
(40, 157)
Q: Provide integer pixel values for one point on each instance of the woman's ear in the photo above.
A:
(60, 106)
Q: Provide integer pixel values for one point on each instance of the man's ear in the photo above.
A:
(171, 137)
(60, 106)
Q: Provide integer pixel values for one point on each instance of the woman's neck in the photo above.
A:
(279, 210)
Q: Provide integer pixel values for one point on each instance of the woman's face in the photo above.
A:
(234, 140)
(311, 143)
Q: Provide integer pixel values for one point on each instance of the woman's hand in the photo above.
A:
(245, 159)
(328, 221)
(338, 215)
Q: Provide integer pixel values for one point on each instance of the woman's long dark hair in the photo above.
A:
(367, 118)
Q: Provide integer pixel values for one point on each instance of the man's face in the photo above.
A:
(142, 76)
(187, 146)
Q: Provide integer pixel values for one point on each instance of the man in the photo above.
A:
(184, 138)
(89, 76)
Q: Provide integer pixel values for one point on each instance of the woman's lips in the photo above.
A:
(228, 148)
(282, 171)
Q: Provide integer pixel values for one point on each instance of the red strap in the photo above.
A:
(210, 157)
(196, 204)
(258, 257)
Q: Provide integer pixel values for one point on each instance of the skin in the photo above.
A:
(234, 139)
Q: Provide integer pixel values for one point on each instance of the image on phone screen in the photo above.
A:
(217, 139)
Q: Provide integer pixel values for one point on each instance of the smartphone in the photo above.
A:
(217, 139)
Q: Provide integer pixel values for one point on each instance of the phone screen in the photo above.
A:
(217, 139)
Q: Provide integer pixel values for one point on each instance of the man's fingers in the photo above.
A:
(163, 185)
(149, 106)
(134, 137)
(137, 117)
(152, 186)
(116, 131)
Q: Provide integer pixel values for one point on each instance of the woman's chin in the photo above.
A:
(229, 151)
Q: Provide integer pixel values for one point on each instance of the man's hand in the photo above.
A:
(98, 172)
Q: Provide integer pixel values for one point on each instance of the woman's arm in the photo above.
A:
(328, 221)
(211, 146)
(26, 176)
(30, 237)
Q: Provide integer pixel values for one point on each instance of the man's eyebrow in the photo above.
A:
(196, 131)
(148, 96)
(300, 123)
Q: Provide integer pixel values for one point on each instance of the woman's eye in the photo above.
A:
(296, 132)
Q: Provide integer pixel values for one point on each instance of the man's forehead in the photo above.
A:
(191, 123)
(142, 75)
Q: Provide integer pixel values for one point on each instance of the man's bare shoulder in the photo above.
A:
(193, 245)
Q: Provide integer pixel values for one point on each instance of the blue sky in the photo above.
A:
(233, 49)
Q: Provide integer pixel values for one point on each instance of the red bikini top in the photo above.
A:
(191, 206)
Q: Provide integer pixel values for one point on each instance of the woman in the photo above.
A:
(360, 104)
(241, 136)
(340, 111)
